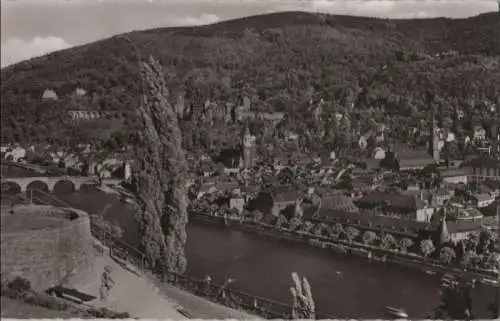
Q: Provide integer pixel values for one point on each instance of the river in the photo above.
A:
(346, 287)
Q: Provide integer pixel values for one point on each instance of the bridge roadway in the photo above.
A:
(50, 182)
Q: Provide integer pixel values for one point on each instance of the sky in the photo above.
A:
(31, 28)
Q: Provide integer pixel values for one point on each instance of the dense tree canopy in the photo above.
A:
(282, 62)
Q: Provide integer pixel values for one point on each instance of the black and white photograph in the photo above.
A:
(250, 159)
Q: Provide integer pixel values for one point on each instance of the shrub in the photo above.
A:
(105, 313)
(15, 288)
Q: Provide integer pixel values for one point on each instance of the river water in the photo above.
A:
(262, 266)
(345, 287)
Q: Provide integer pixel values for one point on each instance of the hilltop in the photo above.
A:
(279, 60)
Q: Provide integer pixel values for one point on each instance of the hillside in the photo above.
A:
(275, 59)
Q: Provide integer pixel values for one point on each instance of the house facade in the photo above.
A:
(456, 175)
(396, 205)
(484, 168)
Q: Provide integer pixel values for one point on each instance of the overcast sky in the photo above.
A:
(32, 28)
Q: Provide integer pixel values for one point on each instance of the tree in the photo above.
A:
(307, 227)
(388, 242)
(456, 303)
(295, 223)
(338, 231)
(286, 176)
(390, 162)
(234, 212)
(160, 176)
(369, 237)
(427, 247)
(303, 306)
(318, 229)
(111, 228)
(486, 240)
(351, 233)
(257, 216)
(98, 159)
(447, 255)
(281, 221)
(467, 257)
(404, 244)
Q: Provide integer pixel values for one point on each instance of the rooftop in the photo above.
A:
(454, 172)
(339, 202)
(394, 201)
(484, 161)
(285, 194)
(463, 226)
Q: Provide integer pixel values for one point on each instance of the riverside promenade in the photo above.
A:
(365, 251)
(142, 296)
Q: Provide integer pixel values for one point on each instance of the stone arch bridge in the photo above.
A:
(50, 182)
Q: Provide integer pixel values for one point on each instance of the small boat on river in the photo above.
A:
(430, 272)
(489, 281)
(399, 313)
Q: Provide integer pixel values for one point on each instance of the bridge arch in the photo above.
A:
(11, 188)
(65, 186)
(48, 183)
(38, 185)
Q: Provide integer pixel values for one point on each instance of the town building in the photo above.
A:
(455, 175)
(483, 199)
(411, 160)
(15, 154)
(284, 197)
(49, 94)
(396, 205)
(479, 133)
(455, 231)
(484, 168)
(237, 201)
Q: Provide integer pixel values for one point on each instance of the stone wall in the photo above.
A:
(45, 256)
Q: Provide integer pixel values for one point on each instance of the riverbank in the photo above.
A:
(369, 252)
(193, 298)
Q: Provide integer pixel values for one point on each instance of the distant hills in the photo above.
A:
(280, 60)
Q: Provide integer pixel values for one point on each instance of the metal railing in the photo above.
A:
(220, 294)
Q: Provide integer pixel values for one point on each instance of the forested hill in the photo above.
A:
(275, 59)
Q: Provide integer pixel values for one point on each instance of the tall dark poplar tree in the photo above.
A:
(160, 174)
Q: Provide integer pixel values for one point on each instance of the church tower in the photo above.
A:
(445, 234)
(248, 147)
(434, 137)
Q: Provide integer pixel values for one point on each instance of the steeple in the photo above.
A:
(445, 234)
(434, 138)
(245, 133)
(247, 145)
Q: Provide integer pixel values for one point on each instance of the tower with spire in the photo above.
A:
(434, 138)
(248, 147)
(445, 234)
